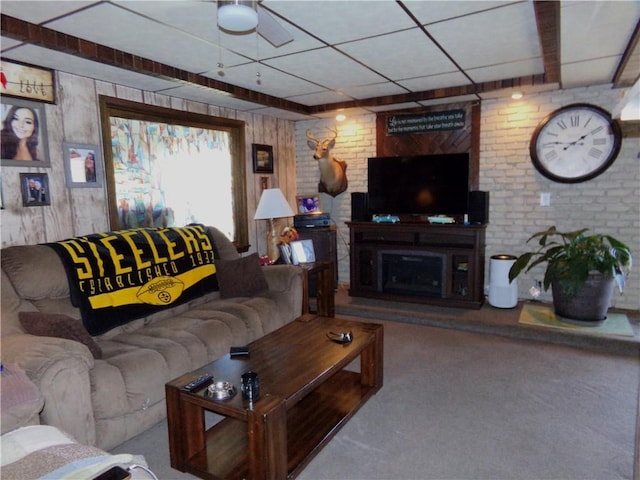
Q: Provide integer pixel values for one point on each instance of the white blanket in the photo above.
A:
(43, 452)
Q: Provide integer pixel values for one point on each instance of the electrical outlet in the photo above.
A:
(545, 199)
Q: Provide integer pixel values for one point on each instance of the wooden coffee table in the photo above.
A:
(306, 396)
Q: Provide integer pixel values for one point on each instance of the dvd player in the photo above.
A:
(310, 220)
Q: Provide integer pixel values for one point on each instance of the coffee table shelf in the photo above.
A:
(278, 437)
(311, 423)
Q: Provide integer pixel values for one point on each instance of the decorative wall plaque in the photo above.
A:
(21, 80)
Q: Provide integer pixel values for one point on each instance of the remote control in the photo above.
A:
(197, 383)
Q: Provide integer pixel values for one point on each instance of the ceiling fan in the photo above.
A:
(243, 16)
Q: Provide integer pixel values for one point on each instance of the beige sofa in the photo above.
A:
(105, 401)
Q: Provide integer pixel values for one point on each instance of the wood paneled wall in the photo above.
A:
(76, 119)
(462, 140)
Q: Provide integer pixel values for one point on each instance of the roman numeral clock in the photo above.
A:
(575, 143)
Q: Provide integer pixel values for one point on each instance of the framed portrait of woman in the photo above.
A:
(83, 165)
(24, 134)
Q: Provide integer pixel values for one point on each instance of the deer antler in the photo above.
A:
(335, 132)
(311, 137)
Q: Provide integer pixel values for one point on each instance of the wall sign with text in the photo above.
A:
(426, 122)
(27, 81)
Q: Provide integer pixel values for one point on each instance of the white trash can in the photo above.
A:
(502, 294)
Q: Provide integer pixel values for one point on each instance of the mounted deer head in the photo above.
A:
(333, 172)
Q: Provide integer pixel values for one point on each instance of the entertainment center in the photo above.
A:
(418, 262)
(427, 241)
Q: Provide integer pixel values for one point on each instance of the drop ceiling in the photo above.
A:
(357, 56)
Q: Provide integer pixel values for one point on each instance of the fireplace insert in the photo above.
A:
(412, 272)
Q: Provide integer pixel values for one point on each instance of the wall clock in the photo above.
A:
(575, 143)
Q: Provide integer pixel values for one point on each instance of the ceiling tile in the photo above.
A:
(522, 68)
(40, 11)
(272, 82)
(211, 97)
(325, 67)
(594, 29)
(432, 82)
(589, 72)
(492, 37)
(389, 55)
(435, 11)
(342, 21)
(115, 27)
(374, 90)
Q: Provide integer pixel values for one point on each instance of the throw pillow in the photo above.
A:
(242, 277)
(58, 325)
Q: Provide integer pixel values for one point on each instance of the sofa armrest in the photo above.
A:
(60, 369)
(281, 278)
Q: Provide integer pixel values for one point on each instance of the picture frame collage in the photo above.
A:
(25, 143)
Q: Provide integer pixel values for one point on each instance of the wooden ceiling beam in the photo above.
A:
(628, 71)
(45, 37)
(548, 22)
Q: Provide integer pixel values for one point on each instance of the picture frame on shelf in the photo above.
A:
(24, 134)
(302, 251)
(35, 189)
(82, 165)
(309, 203)
(262, 158)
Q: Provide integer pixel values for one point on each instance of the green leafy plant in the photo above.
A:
(571, 256)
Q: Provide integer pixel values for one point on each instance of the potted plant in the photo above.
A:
(581, 269)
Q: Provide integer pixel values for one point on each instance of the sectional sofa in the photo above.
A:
(105, 388)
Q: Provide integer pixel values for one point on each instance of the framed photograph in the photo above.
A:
(309, 203)
(24, 134)
(302, 251)
(262, 158)
(82, 165)
(29, 82)
(35, 189)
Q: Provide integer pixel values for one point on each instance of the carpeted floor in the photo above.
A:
(463, 405)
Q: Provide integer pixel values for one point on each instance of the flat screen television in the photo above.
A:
(419, 185)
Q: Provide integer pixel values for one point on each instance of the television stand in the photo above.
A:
(418, 262)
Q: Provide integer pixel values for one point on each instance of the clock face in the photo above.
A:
(575, 143)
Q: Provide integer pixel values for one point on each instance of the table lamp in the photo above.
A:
(272, 205)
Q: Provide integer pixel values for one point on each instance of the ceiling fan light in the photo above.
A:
(237, 18)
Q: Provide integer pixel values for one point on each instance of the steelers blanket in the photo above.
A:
(116, 277)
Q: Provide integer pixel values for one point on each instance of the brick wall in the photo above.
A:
(608, 203)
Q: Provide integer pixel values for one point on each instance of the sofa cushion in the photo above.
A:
(24, 266)
(61, 326)
(242, 277)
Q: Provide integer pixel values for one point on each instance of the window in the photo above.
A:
(168, 167)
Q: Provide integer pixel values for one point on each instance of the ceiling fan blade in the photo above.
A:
(271, 30)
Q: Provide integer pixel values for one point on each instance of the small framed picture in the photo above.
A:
(35, 189)
(302, 251)
(262, 158)
(24, 134)
(309, 203)
(83, 165)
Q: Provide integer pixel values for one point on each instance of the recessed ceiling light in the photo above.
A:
(517, 95)
(341, 117)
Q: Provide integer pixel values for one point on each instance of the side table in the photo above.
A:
(325, 296)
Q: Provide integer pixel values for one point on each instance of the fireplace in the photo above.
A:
(411, 272)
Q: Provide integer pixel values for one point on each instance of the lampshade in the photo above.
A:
(237, 18)
(273, 205)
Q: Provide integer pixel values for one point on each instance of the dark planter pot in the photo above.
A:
(589, 304)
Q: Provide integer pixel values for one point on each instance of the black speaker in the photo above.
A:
(479, 207)
(360, 207)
